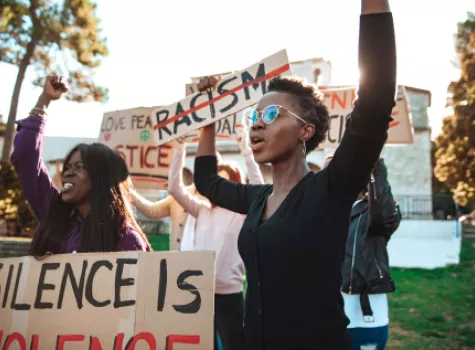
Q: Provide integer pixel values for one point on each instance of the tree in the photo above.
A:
(13, 205)
(56, 37)
(455, 154)
(437, 186)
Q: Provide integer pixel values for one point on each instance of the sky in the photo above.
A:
(157, 46)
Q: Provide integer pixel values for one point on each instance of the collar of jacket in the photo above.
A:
(360, 207)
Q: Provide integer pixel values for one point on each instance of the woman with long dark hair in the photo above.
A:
(293, 239)
(91, 213)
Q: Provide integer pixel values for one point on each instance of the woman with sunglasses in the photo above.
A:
(293, 239)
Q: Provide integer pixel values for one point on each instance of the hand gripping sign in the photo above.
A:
(233, 93)
(142, 135)
(225, 128)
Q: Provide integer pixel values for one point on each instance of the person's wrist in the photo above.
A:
(180, 145)
(43, 101)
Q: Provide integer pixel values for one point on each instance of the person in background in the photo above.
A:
(366, 277)
(91, 212)
(167, 207)
(294, 235)
(217, 229)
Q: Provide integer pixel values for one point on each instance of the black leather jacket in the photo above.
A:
(365, 268)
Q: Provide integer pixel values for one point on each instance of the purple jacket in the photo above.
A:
(40, 191)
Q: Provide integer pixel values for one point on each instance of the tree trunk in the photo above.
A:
(25, 62)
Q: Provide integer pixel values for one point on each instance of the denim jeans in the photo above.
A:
(229, 321)
(369, 338)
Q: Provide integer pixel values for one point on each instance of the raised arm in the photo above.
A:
(192, 204)
(253, 170)
(27, 152)
(229, 195)
(385, 215)
(366, 130)
(152, 210)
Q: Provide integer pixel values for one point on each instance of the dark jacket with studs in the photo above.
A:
(373, 220)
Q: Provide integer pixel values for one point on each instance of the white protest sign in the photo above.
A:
(340, 104)
(130, 133)
(233, 93)
(226, 127)
(111, 301)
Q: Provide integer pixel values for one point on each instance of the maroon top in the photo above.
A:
(40, 191)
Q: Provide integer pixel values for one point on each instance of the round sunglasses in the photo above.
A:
(270, 114)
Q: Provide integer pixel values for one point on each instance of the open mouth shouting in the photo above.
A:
(257, 143)
(67, 186)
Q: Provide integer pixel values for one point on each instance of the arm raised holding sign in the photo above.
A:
(91, 213)
(207, 181)
(152, 210)
(253, 171)
(191, 203)
(293, 239)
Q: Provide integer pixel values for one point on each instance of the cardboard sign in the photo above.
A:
(340, 104)
(233, 93)
(130, 132)
(114, 301)
(225, 128)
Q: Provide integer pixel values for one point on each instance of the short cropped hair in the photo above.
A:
(310, 102)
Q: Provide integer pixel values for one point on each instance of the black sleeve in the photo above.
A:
(367, 127)
(226, 194)
(385, 215)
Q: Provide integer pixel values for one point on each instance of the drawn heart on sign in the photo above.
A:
(107, 136)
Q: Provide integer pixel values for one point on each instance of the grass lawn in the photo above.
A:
(435, 309)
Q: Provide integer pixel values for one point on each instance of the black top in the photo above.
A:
(293, 259)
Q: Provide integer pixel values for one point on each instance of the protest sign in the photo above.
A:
(113, 301)
(130, 132)
(340, 104)
(233, 93)
(225, 128)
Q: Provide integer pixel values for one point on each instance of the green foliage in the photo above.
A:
(13, 205)
(437, 186)
(60, 37)
(455, 146)
(433, 309)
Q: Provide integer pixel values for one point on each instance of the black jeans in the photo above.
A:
(229, 321)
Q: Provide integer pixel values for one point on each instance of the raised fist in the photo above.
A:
(55, 87)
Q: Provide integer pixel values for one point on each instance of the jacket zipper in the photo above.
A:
(373, 184)
(378, 268)
(375, 196)
(354, 252)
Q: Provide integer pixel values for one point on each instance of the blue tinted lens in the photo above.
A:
(270, 113)
(254, 117)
